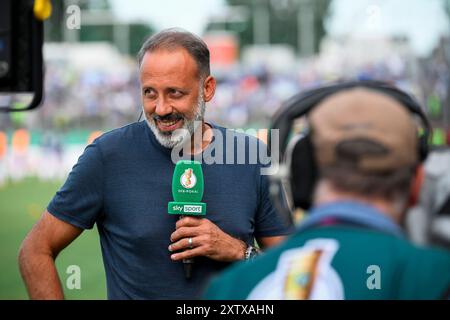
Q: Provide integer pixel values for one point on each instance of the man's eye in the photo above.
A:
(176, 93)
(149, 93)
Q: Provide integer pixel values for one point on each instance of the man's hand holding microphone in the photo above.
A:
(195, 235)
(207, 240)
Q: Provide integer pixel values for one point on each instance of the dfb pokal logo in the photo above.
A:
(188, 179)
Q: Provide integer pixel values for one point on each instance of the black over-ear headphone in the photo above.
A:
(297, 172)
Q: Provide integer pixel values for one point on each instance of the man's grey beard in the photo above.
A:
(179, 136)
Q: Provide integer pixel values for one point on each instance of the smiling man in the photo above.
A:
(122, 183)
(176, 84)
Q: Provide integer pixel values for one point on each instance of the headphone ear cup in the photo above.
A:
(303, 173)
(423, 147)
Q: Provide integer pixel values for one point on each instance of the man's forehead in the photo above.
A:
(166, 58)
(174, 65)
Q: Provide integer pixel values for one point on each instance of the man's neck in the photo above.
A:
(326, 193)
(201, 138)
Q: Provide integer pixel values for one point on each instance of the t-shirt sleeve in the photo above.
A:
(80, 199)
(269, 222)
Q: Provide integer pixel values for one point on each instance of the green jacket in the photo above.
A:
(341, 261)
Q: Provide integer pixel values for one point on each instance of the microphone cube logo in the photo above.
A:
(187, 189)
(192, 209)
(188, 179)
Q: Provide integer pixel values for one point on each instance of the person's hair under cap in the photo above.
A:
(365, 116)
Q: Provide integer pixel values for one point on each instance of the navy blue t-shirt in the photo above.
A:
(122, 183)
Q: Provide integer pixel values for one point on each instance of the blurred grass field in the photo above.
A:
(21, 204)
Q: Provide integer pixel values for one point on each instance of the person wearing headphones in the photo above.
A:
(364, 145)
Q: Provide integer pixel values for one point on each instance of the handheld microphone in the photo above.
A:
(187, 192)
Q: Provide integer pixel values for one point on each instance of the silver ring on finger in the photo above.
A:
(190, 242)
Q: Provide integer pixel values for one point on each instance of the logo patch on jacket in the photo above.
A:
(303, 273)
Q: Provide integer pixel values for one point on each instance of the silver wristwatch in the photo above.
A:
(251, 252)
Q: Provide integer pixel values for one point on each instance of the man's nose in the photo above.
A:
(163, 107)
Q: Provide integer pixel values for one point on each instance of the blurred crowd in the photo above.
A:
(96, 100)
(100, 99)
(88, 99)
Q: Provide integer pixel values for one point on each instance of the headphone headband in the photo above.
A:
(302, 103)
(299, 172)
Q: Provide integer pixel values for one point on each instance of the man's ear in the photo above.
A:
(209, 88)
(416, 185)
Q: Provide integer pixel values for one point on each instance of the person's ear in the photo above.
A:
(209, 88)
(416, 185)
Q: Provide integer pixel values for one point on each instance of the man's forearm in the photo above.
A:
(40, 275)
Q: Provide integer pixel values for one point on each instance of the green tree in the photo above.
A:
(285, 18)
(54, 26)
(138, 33)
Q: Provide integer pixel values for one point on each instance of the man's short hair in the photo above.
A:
(175, 38)
(365, 142)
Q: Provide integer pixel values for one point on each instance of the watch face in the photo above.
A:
(250, 253)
